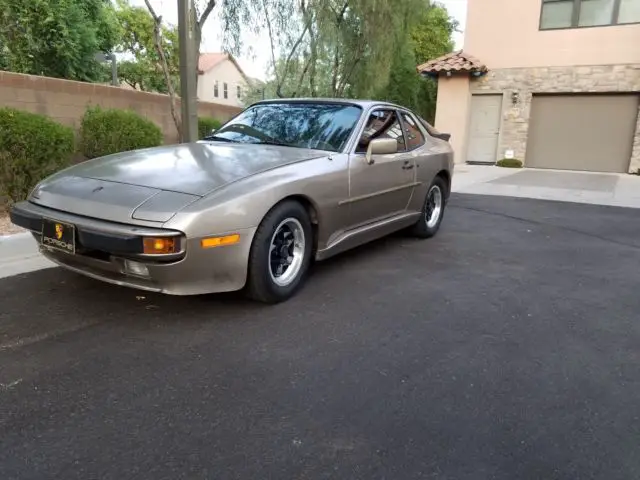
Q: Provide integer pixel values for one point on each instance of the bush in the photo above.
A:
(206, 124)
(103, 132)
(509, 163)
(32, 147)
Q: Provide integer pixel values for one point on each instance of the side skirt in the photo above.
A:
(367, 233)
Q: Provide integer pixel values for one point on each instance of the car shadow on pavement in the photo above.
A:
(54, 301)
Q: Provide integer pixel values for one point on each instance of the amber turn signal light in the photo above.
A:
(220, 241)
(159, 246)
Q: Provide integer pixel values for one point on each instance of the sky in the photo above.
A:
(256, 53)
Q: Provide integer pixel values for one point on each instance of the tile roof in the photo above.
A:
(209, 60)
(453, 62)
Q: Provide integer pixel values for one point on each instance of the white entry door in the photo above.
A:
(484, 128)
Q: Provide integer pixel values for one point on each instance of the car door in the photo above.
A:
(383, 188)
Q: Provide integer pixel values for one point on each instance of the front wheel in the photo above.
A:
(280, 253)
(432, 211)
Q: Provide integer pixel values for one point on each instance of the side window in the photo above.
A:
(381, 124)
(412, 132)
(215, 89)
(226, 91)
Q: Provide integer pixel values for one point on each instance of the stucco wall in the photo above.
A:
(66, 101)
(227, 72)
(511, 38)
(452, 109)
(527, 81)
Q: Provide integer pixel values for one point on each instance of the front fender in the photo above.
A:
(243, 204)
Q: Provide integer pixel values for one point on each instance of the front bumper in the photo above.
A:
(105, 249)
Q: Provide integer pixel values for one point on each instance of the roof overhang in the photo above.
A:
(453, 64)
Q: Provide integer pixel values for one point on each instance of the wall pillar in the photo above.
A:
(452, 112)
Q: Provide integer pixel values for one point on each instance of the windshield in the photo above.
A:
(323, 126)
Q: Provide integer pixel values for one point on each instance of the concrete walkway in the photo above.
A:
(619, 190)
(19, 252)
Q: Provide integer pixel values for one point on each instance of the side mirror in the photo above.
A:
(444, 136)
(381, 146)
(213, 130)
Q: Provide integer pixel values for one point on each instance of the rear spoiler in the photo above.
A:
(443, 136)
(433, 132)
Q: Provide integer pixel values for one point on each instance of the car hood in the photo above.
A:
(193, 168)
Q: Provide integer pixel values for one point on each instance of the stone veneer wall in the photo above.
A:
(527, 81)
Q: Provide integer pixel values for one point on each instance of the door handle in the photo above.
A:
(407, 165)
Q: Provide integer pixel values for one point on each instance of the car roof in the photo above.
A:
(347, 101)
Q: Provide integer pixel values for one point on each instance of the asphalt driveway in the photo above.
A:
(505, 348)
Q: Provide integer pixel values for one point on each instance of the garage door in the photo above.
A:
(582, 132)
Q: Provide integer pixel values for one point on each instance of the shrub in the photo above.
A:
(32, 147)
(509, 163)
(107, 131)
(206, 124)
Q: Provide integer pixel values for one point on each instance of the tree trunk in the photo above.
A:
(157, 38)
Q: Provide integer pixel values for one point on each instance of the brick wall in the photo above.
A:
(66, 101)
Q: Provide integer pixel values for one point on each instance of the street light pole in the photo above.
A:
(188, 94)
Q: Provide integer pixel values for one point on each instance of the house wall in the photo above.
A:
(513, 39)
(527, 81)
(66, 101)
(452, 110)
(225, 71)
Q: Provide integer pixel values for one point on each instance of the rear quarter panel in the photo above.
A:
(433, 157)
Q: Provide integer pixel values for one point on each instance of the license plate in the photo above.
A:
(58, 236)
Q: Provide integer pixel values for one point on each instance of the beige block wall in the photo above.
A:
(66, 101)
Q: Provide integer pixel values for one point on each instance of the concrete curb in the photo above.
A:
(19, 254)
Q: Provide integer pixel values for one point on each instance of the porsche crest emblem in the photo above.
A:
(59, 231)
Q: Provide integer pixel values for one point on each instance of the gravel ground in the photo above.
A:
(6, 227)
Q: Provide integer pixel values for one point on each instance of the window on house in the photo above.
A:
(629, 11)
(226, 91)
(595, 12)
(215, 89)
(412, 132)
(588, 13)
(238, 91)
(381, 124)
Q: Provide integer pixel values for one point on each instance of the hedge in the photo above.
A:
(206, 124)
(107, 131)
(509, 163)
(32, 147)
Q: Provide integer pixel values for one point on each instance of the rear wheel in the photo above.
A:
(280, 253)
(432, 210)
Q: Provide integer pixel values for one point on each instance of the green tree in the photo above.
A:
(56, 38)
(425, 36)
(136, 40)
(432, 35)
(356, 48)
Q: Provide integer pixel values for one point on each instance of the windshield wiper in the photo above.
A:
(277, 144)
(222, 139)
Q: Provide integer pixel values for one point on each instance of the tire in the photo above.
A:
(425, 227)
(274, 282)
